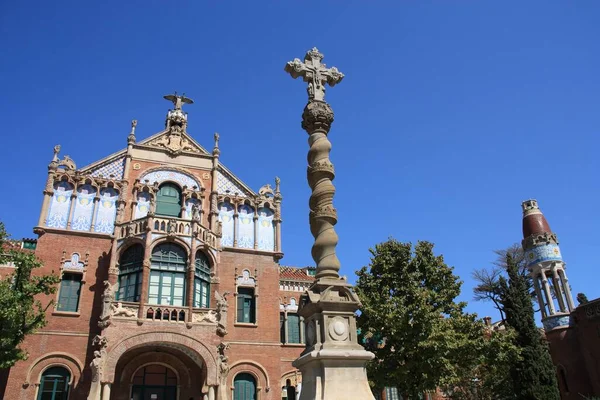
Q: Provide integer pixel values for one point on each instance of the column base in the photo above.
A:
(334, 374)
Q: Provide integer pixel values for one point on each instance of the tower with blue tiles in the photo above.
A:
(546, 267)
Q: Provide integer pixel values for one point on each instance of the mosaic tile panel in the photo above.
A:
(115, 168)
(547, 252)
(225, 185)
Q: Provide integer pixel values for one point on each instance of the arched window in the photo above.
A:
(244, 387)
(54, 384)
(168, 200)
(167, 275)
(201, 281)
(130, 273)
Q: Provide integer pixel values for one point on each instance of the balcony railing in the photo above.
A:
(163, 313)
(167, 225)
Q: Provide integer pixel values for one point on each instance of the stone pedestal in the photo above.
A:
(333, 363)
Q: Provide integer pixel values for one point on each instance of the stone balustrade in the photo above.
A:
(166, 225)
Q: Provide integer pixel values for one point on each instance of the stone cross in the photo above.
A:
(315, 73)
(178, 100)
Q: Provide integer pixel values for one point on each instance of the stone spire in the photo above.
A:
(547, 269)
(333, 363)
(131, 137)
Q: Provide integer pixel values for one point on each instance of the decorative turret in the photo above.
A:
(546, 267)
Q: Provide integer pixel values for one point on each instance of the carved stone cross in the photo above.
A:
(315, 73)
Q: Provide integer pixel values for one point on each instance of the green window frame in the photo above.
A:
(244, 387)
(282, 327)
(246, 306)
(293, 328)
(70, 290)
(167, 285)
(130, 274)
(168, 200)
(201, 281)
(54, 384)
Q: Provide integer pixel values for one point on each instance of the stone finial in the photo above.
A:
(131, 137)
(216, 150)
(56, 151)
(314, 73)
(530, 207)
(177, 100)
(277, 183)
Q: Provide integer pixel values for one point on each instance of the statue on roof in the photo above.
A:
(178, 100)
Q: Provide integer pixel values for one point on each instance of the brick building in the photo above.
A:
(573, 332)
(171, 286)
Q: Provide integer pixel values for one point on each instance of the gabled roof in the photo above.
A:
(296, 274)
(113, 165)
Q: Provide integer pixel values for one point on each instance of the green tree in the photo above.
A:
(20, 312)
(410, 319)
(488, 286)
(533, 375)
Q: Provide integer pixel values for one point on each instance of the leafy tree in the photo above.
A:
(420, 335)
(20, 313)
(488, 286)
(533, 375)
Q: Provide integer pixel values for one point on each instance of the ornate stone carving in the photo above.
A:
(222, 307)
(196, 213)
(107, 298)
(96, 366)
(67, 163)
(317, 116)
(118, 310)
(224, 368)
(266, 191)
(175, 142)
(131, 137)
(210, 317)
(314, 73)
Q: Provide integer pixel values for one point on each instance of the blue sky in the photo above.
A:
(451, 112)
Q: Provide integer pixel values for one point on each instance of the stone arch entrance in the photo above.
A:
(160, 366)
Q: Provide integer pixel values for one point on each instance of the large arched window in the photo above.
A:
(54, 384)
(168, 200)
(201, 281)
(167, 275)
(130, 273)
(244, 387)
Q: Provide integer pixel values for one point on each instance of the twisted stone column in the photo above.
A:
(316, 120)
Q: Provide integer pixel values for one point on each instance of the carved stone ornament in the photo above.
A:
(266, 191)
(338, 329)
(222, 307)
(210, 317)
(175, 142)
(67, 163)
(315, 73)
(317, 115)
(119, 311)
(107, 298)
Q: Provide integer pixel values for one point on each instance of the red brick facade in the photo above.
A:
(106, 344)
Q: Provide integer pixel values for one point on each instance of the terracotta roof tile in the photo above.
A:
(296, 274)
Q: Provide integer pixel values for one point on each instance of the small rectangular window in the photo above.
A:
(246, 306)
(70, 288)
(293, 326)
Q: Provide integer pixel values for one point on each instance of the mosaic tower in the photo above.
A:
(546, 267)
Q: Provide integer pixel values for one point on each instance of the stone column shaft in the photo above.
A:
(565, 283)
(546, 288)
(558, 290)
(106, 390)
(538, 292)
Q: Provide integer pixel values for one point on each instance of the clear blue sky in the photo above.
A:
(451, 112)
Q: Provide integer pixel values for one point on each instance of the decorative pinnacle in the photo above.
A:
(277, 183)
(314, 73)
(56, 151)
(216, 150)
(131, 137)
(178, 100)
(530, 207)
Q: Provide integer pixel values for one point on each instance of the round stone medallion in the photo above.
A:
(338, 329)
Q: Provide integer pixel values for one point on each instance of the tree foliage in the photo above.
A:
(533, 376)
(20, 312)
(488, 286)
(411, 320)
